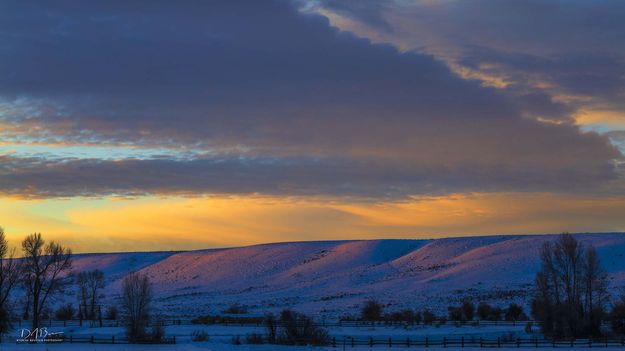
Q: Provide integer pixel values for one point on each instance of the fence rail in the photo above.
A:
(348, 342)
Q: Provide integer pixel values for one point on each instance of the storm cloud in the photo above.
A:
(275, 100)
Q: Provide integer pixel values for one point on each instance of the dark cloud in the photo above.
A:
(293, 105)
(365, 179)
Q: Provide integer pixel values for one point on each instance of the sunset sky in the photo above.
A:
(157, 125)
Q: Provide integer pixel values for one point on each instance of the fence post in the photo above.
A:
(92, 339)
(352, 341)
(370, 342)
(481, 342)
(390, 342)
(427, 342)
(498, 342)
(113, 339)
(174, 339)
(445, 342)
(462, 342)
(408, 342)
(518, 342)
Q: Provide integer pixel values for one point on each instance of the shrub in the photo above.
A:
(468, 310)
(418, 317)
(5, 320)
(158, 329)
(371, 311)
(208, 319)
(496, 314)
(299, 329)
(272, 327)
(235, 309)
(484, 311)
(455, 314)
(514, 312)
(199, 336)
(65, 313)
(617, 317)
(254, 338)
(428, 317)
(111, 313)
(394, 317)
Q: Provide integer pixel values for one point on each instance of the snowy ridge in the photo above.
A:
(334, 277)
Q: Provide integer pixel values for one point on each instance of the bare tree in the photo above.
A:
(44, 267)
(9, 278)
(136, 299)
(89, 284)
(571, 289)
(595, 290)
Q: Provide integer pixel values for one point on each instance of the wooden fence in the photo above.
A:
(461, 342)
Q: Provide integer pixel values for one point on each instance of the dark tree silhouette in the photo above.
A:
(44, 266)
(371, 311)
(570, 289)
(89, 284)
(136, 300)
(9, 279)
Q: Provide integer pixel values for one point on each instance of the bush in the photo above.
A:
(158, 330)
(468, 310)
(5, 320)
(484, 311)
(208, 319)
(235, 309)
(463, 313)
(199, 336)
(514, 312)
(111, 313)
(428, 317)
(455, 314)
(418, 317)
(271, 324)
(254, 338)
(371, 311)
(299, 329)
(617, 317)
(65, 313)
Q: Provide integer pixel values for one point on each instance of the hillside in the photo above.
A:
(334, 277)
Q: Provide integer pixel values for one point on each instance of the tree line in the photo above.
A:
(571, 292)
(44, 270)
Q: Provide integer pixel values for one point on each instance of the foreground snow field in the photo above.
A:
(208, 347)
(331, 278)
(221, 338)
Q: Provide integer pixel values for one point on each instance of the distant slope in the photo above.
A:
(334, 277)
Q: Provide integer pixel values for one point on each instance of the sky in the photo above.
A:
(159, 125)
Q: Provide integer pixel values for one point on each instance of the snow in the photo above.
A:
(221, 336)
(333, 278)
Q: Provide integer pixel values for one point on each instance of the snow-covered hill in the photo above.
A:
(335, 277)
